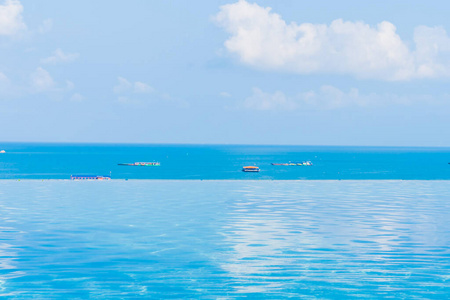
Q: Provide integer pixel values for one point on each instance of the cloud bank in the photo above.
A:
(328, 97)
(11, 21)
(261, 38)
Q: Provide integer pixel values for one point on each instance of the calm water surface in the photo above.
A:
(225, 239)
(59, 161)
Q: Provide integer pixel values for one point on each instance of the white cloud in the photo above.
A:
(129, 92)
(77, 97)
(139, 93)
(70, 85)
(46, 26)
(262, 39)
(60, 57)
(5, 84)
(329, 98)
(123, 99)
(142, 88)
(266, 101)
(8, 89)
(11, 21)
(41, 81)
(3, 78)
(225, 95)
(125, 88)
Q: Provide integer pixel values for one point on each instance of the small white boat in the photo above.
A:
(250, 169)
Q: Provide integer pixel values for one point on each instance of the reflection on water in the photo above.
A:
(225, 239)
(335, 239)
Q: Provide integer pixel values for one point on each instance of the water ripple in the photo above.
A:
(225, 239)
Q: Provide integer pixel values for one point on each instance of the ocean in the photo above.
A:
(372, 224)
(59, 161)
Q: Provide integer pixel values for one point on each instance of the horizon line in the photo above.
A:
(211, 144)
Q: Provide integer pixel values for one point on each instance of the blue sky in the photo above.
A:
(229, 72)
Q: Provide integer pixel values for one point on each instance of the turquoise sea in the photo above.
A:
(384, 233)
(59, 161)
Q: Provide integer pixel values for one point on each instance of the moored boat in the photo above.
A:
(250, 169)
(89, 177)
(303, 163)
(142, 164)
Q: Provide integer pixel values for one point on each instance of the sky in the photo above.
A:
(319, 72)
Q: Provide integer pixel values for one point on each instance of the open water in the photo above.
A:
(59, 161)
(241, 238)
(185, 239)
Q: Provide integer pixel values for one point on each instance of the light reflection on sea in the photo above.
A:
(225, 239)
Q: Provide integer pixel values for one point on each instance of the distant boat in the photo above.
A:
(142, 164)
(250, 169)
(89, 177)
(303, 163)
(2, 151)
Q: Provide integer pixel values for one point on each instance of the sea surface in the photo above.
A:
(59, 161)
(360, 223)
(224, 239)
